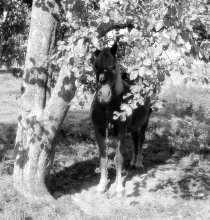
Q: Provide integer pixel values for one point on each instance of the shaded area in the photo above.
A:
(157, 151)
(81, 174)
(185, 170)
(7, 139)
(77, 160)
(75, 178)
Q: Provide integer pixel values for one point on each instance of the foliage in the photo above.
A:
(14, 32)
(161, 36)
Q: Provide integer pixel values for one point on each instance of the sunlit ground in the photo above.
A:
(174, 184)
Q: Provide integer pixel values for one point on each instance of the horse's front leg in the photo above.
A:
(102, 186)
(119, 163)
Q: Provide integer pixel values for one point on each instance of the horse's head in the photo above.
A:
(108, 77)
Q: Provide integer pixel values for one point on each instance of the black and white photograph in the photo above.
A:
(104, 110)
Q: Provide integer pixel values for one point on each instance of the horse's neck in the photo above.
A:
(119, 87)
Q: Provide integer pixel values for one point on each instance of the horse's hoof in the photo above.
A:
(102, 187)
(132, 167)
(139, 165)
(132, 163)
(119, 191)
(120, 194)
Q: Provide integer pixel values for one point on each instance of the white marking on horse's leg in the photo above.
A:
(119, 163)
(102, 186)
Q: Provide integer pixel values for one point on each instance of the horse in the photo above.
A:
(110, 89)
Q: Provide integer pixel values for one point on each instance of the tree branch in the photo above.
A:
(104, 28)
(64, 91)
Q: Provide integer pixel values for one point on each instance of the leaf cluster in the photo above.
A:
(161, 37)
(14, 26)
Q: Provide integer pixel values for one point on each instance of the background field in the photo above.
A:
(175, 181)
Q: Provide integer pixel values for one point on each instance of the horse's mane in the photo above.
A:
(119, 86)
(104, 58)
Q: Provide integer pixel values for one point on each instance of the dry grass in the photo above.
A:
(9, 91)
(175, 183)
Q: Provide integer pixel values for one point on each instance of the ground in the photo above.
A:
(174, 184)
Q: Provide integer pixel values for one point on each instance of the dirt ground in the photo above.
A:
(174, 183)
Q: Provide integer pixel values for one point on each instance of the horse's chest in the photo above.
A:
(102, 118)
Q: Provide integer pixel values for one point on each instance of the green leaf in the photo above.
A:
(179, 10)
(134, 74)
(150, 27)
(88, 68)
(167, 73)
(159, 25)
(105, 19)
(141, 71)
(189, 61)
(202, 8)
(181, 71)
(161, 77)
(206, 80)
(185, 80)
(173, 34)
(185, 36)
(165, 41)
(150, 92)
(128, 110)
(182, 62)
(158, 51)
(95, 42)
(71, 61)
(147, 62)
(174, 47)
(132, 68)
(77, 73)
(179, 40)
(148, 72)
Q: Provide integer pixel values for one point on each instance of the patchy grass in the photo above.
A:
(174, 184)
(9, 92)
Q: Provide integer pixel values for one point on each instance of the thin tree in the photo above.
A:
(40, 119)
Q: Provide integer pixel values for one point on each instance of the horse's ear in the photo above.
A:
(96, 53)
(114, 48)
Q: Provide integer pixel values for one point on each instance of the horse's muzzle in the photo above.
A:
(104, 94)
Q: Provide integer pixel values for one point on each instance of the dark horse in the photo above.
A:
(109, 96)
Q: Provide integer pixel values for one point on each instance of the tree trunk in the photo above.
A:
(39, 121)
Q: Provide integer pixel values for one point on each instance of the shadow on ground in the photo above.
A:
(81, 175)
(170, 168)
(185, 172)
(7, 139)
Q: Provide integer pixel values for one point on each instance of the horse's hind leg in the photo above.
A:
(102, 186)
(137, 150)
(138, 144)
(140, 141)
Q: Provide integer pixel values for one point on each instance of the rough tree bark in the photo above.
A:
(39, 120)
